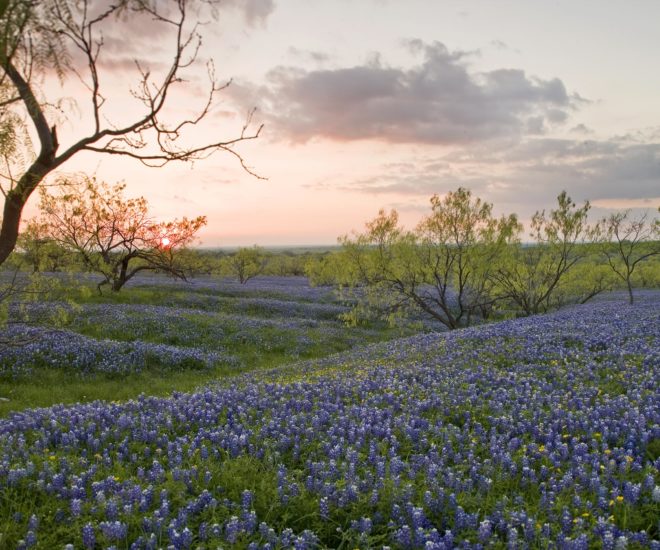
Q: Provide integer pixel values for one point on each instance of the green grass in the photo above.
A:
(49, 387)
(46, 387)
(256, 349)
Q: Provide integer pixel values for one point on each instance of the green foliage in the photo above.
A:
(584, 281)
(532, 278)
(443, 268)
(245, 263)
(461, 264)
(647, 274)
(196, 262)
(39, 252)
(325, 270)
(286, 264)
(20, 289)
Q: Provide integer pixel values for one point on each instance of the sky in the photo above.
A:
(370, 104)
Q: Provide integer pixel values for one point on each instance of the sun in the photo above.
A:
(164, 241)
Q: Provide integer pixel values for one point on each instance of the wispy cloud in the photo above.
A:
(533, 172)
(316, 57)
(255, 12)
(618, 204)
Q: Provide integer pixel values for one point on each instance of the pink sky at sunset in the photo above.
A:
(379, 104)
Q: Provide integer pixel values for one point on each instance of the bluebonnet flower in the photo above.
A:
(114, 530)
(88, 536)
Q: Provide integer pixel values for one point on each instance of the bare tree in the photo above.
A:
(114, 235)
(626, 241)
(41, 39)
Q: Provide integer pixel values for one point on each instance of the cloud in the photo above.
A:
(499, 44)
(623, 204)
(437, 101)
(255, 12)
(581, 129)
(529, 174)
(122, 64)
(152, 38)
(316, 57)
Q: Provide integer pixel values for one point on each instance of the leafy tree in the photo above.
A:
(114, 235)
(325, 269)
(196, 262)
(44, 39)
(39, 251)
(442, 268)
(286, 264)
(531, 277)
(246, 263)
(626, 242)
(585, 280)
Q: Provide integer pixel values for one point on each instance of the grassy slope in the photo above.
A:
(48, 386)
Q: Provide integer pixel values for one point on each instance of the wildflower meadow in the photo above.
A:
(538, 432)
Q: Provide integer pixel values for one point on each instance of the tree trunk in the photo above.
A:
(120, 281)
(11, 219)
(46, 162)
(630, 291)
(17, 197)
(117, 284)
(100, 285)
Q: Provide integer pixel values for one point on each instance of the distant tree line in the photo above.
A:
(461, 264)
(39, 252)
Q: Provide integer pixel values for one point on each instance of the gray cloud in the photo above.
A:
(150, 37)
(530, 174)
(502, 46)
(255, 12)
(581, 129)
(437, 101)
(319, 58)
(499, 44)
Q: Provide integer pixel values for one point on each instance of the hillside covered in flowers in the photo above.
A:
(539, 432)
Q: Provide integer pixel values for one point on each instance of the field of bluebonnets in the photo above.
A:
(539, 432)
